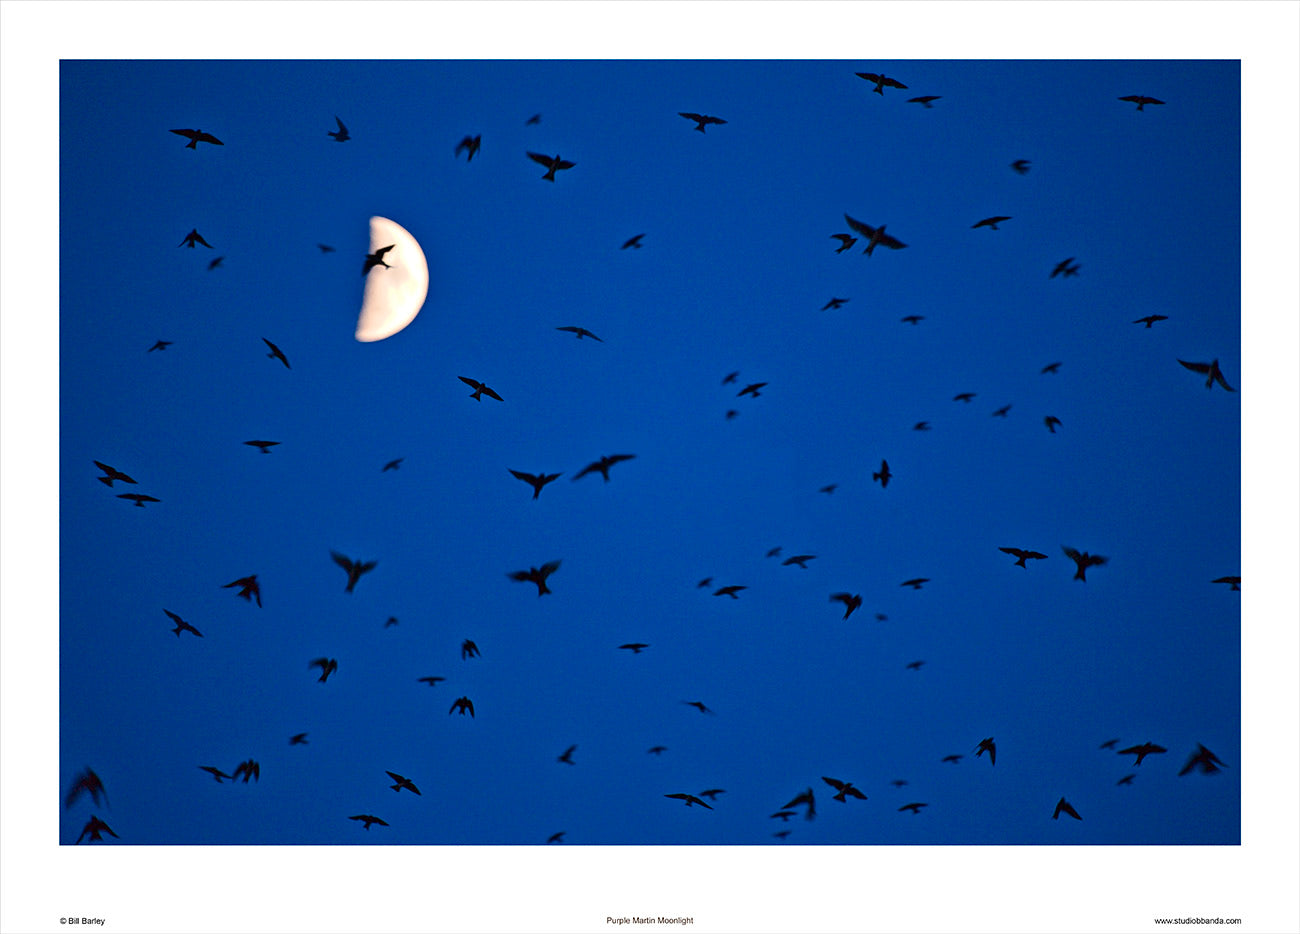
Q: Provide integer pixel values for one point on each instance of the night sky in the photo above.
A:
(1116, 215)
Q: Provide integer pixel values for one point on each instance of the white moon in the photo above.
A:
(393, 296)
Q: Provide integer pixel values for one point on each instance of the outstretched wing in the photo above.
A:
(544, 160)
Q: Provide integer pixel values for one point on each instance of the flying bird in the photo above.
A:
(1051, 368)
(192, 238)
(140, 498)
(781, 834)
(213, 264)
(924, 100)
(1141, 100)
(277, 354)
(93, 827)
(1083, 560)
(1109, 744)
(1233, 580)
(912, 319)
(479, 389)
(800, 560)
(657, 750)
(369, 819)
(712, 793)
(914, 807)
(1142, 751)
(785, 816)
(915, 666)
(1202, 759)
(1002, 412)
(954, 758)
(298, 739)
(263, 446)
(632, 242)
(1063, 268)
(86, 782)
(880, 81)
(354, 568)
(556, 837)
(1051, 421)
(704, 583)
(1151, 319)
(876, 236)
(536, 481)
(567, 756)
(751, 390)
(327, 667)
(160, 345)
(1021, 555)
(249, 588)
(990, 222)
(635, 647)
(843, 788)
(392, 465)
(468, 649)
(602, 466)
(400, 783)
(552, 164)
(111, 474)
(580, 332)
(698, 705)
(828, 488)
(987, 745)
(468, 144)
(181, 625)
(249, 768)
(690, 800)
(921, 426)
(846, 241)
(533, 120)
(1212, 373)
(774, 552)
(341, 134)
(805, 798)
(376, 259)
(198, 136)
(537, 576)
(964, 397)
(215, 772)
(1065, 806)
(1127, 779)
(701, 120)
(730, 591)
(915, 583)
(730, 377)
(1021, 166)
(325, 248)
(462, 704)
(882, 475)
(431, 680)
(834, 303)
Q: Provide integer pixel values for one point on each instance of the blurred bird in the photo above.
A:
(198, 136)
(851, 602)
(834, 303)
(701, 120)
(876, 236)
(391, 621)
(1051, 368)
(341, 134)
(843, 788)
(111, 474)
(846, 241)
(249, 768)
(536, 481)
(298, 739)
(987, 745)
(1021, 166)
(537, 576)
(392, 465)
(916, 665)
(635, 647)
(277, 354)
(181, 625)
(1051, 421)
(140, 498)
(964, 397)
(924, 100)
(990, 222)
(657, 750)
(954, 759)
(774, 552)
(828, 488)
(1142, 751)
(882, 475)
(327, 667)
(1002, 412)
(468, 144)
(376, 259)
(431, 680)
(399, 783)
(632, 242)
(781, 834)
(325, 248)
(249, 588)
(354, 568)
(690, 800)
(880, 81)
(213, 264)
(469, 650)
(1021, 554)
(913, 319)
(479, 389)
(160, 345)
(192, 238)
(800, 560)
(1065, 806)
(533, 120)
(462, 704)
(556, 837)
(752, 390)
(93, 827)
(1127, 779)
(1064, 268)
(602, 466)
(86, 782)
(263, 446)
(704, 583)
(785, 816)
(1151, 319)
(369, 819)
(805, 798)
(730, 377)
(215, 772)
(552, 164)
(1109, 744)
(921, 426)
(580, 332)
(915, 583)
(914, 807)
(1083, 560)
(898, 782)
(1234, 581)
(712, 793)
(698, 705)
(1202, 759)
(567, 756)
(1141, 100)
(730, 591)
(1212, 373)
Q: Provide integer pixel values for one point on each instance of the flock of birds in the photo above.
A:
(88, 784)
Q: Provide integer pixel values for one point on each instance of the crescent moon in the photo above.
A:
(393, 297)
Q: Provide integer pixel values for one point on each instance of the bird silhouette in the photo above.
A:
(964, 397)
(1142, 751)
(93, 827)
(731, 377)
(536, 481)
(249, 588)
(712, 793)
(784, 815)
(876, 236)
(898, 782)
(800, 560)
(828, 488)
(1002, 412)
(916, 665)
(1063, 268)
(1066, 807)
(160, 345)
(846, 241)
(698, 705)
(1021, 166)
(1127, 779)
(376, 259)
(781, 834)
(774, 552)
(198, 136)
(990, 222)
(392, 465)
(469, 144)
(552, 163)
(431, 680)
(111, 474)
(924, 100)
(954, 758)
(192, 238)
(987, 745)
(1141, 100)
(249, 768)
(580, 332)
(263, 446)
(468, 649)
(635, 647)
(632, 242)
(479, 389)
(921, 426)
(1202, 759)
(914, 807)
(701, 120)
(341, 134)
(216, 773)
(657, 750)
(690, 800)
(912, 319)
(214, 263)
(882, 475)
(1151, 319)
(567, 756)
(533, 120)
(399, 783)
(851, 602)
(1021, 555)
(880, 81)
(327, 667)
(805, 798)
(1109, 744)
(298, 739)
(88, 783)
(752, 390)
(277, 354)
(369, 819)
(537, 576)
(1083, 561)
(139, 498)
(1051, 421)
(705, 582)
(181, 625)
(602, 466)
(834, 303)
(463, 704)
(556, 837)
(1051, 368)
(354, 568)
(843, 788)
(325, 248)
(915, 583)
(730, 591)
(1234, 581)
(1212, 373)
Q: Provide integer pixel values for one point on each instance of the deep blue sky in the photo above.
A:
(737, 263)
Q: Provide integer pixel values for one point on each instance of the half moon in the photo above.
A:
(393, 296)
